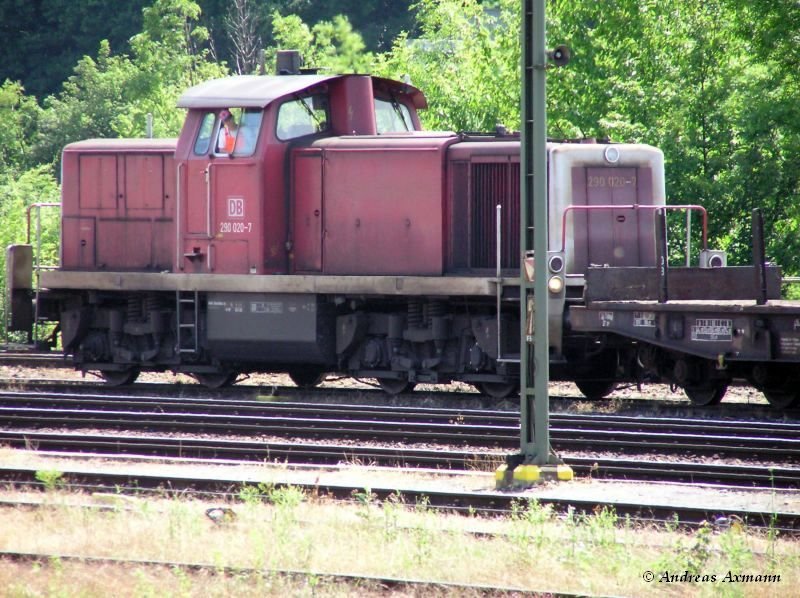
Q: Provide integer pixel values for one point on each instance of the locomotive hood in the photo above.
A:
(257, 91)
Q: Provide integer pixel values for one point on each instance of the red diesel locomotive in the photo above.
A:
(336, 236)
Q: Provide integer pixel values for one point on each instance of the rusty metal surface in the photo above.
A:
(688, 284)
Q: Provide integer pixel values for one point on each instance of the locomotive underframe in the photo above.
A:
(401, 338)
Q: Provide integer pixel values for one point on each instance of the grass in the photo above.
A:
(281, 528)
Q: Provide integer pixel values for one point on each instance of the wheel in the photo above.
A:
(594, 390)
(498, 390)
(307, 377)
(120, 377)
(394, 386)
(217, 380)
(782, 399)
(706, 395)
(594, 376)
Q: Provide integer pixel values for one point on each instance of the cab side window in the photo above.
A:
(203, 142)
(302, 116)
(392, 117)
(237, 131)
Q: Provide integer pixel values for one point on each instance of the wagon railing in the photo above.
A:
(647, 207)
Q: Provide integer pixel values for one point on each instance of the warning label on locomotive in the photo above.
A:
(606, 319)
(789, 345)
(266, 307)
(644, 319)
(712, 329)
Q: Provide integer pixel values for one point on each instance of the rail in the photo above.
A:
(635, 207)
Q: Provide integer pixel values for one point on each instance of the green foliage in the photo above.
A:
(90, 102)
(466, 61)
(50, 478)
(111, 95)
(16, 194)
(44, 39)
(20, 115)
(168, 57)
(329, 45)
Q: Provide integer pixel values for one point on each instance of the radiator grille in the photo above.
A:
(494, 184)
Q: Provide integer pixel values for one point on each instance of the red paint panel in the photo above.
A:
(98, 181)
(144, 182)
(236, 216)
(78, 246)
(229, 257)
(124, 244)
(383, 210)
(307, 211)
(106, 182)
(195, 196)
(164, 239)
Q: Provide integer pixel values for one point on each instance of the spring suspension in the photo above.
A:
(415, 315)
(437, 309)
(133, 312)
(152, 303)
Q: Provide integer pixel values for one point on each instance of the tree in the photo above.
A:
(111, 96)
(242, 24)
(20, 115)
(44, 39)
(330, 45)
(466, 60)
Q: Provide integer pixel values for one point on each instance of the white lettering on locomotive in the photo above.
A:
(236, 207)
(644, 319)
(712, 329)
(235, 227)
(266, 307)
(606, 318)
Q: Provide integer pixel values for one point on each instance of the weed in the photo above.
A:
(51, 479)
(364, 497)
(288, 497)
(250, 495)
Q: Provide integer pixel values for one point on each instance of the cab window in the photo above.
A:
(302, 116)
(392, 117)
(237, 131)
(203, 142)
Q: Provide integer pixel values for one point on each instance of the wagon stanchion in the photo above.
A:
(662, 256)
(759, 257)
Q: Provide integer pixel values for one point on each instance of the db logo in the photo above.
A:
(236, 207)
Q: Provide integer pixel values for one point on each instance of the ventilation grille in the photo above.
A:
(494, 184)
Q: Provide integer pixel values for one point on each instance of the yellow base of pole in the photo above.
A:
(526, 475)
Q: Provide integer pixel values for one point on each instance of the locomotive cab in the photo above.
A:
(232, 159)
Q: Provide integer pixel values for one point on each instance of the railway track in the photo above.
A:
(219, 486)
(360, 582)
(477, 428)
(332, 454)
(668, 405)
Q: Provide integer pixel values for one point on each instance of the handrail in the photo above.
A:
(38, 206)
(634, 207)
(37, 266)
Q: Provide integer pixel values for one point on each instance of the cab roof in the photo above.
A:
(257, 91)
